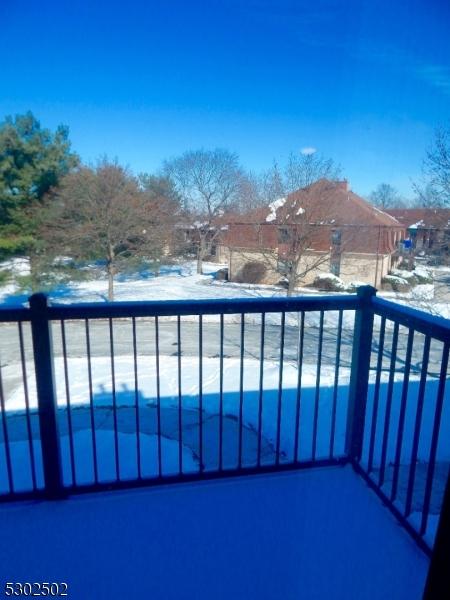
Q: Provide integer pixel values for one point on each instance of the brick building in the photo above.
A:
(324, 228)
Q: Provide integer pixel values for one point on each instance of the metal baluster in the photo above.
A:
(301, 336)
(335, 387)
(401, 419)
(91, 400)
(241, 391)
(417, 425)
(113, 381)
(434, 439)
(27, 406)
(376, 395)
(200, 387)
(387, 419)
(180, 400)
(317, 393)
(261, 384)
(158, 397)
(136, 400)
(69, 406)
(6, 436)
(280, 387)
(221, 396)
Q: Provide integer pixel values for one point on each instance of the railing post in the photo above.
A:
(438, 579)
(359, 377)
(46, 396)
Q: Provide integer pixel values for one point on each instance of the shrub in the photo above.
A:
(423, 275)
(4, 277)
(393, 282)
(329, 283)
(408, 276)
(252, 272)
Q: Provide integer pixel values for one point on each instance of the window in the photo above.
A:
(336, 237)
(335, 264)
(284, 235)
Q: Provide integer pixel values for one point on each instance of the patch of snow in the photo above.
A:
(423, 292)
(274, 206)
(416, 225)
(104, 442)
(402, 274)
(17, 266)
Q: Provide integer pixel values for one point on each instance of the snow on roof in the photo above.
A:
(274, 206)
(416, 225)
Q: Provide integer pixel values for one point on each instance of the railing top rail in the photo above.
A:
(8, 315)
(430, 325)
(202, 307)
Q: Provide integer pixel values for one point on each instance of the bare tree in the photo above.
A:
(304, 169)
(250, 193)
(295, 196)
(208, 182)
(434, 191)
(100, 213)
(272, 185)
(426, 196)
(385, 196)
(304, 223)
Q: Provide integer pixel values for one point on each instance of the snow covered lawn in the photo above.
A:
(146, 398)
(181, 282)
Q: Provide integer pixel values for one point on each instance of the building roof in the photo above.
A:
(422, 218)
(325, 205)
(322, 202)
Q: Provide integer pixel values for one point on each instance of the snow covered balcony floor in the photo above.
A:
(314, 534)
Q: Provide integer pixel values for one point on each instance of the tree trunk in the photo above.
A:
(110, 282)
(34, 272)
(110, 270)
(292, 281)
(200, 256)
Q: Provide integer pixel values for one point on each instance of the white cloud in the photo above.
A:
(436, 75)
(308, 150)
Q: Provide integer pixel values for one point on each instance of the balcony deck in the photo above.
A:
(313, 534)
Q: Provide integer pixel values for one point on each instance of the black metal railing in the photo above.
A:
(96, 396)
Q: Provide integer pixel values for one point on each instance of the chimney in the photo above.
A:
(343, 185)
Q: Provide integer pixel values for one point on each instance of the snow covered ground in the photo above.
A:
(180, 282)
(146, 398)
(177, 282)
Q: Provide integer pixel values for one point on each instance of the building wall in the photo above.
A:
(353, 266)
(313, 264)
(239, 257)
(364, 268)
(223, 254)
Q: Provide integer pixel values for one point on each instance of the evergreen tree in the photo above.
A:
(32, 160)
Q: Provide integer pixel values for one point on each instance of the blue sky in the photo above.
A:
(364, 82)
